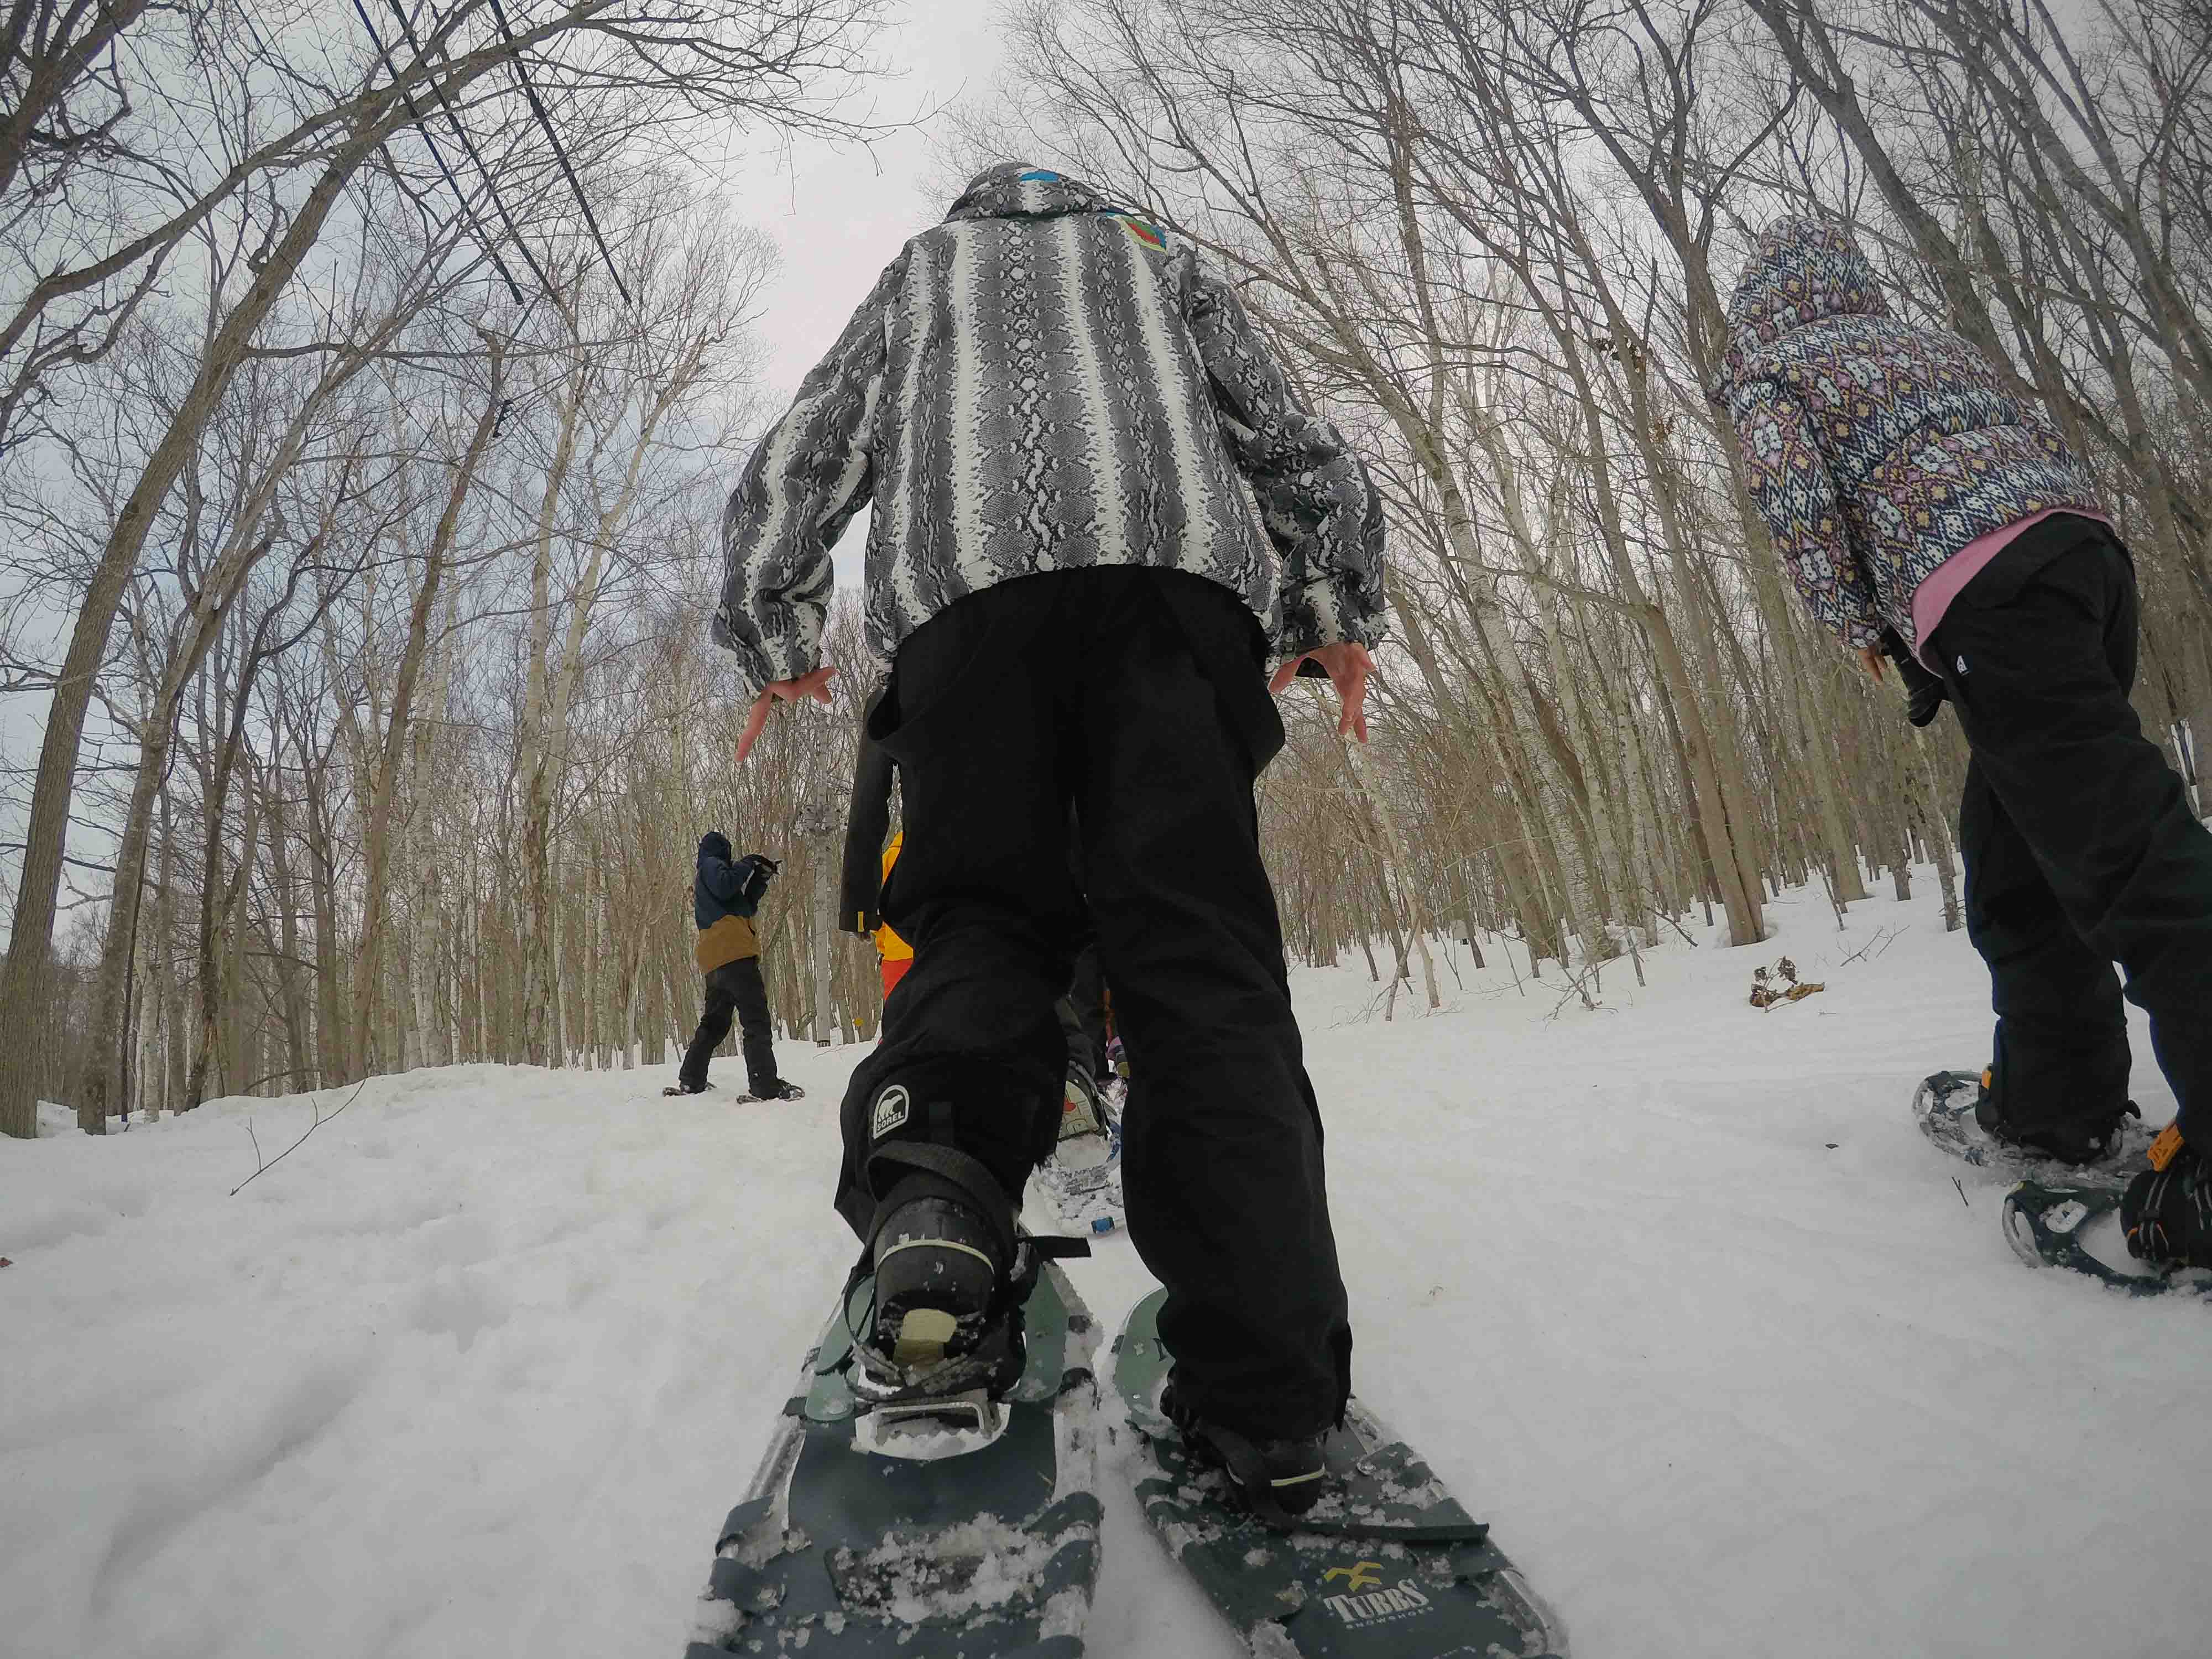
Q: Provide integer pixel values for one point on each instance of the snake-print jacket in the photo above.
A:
(1042, 383)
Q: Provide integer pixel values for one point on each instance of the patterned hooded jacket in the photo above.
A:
(1040, 383)
(1876, 449)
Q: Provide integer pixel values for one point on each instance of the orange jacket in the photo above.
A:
(889, 944)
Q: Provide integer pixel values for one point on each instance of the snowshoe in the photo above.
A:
(1955, 1112)
(923, 1528)
(2079, 1228)
(1083, 1178)
(680, 1087)
(785, 1090)
(1383, 1563)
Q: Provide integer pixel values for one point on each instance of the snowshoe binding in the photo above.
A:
(1962, 1112)
(2150, 1237)
(1278, 1480)
(777, 1091)
(2165, 1213)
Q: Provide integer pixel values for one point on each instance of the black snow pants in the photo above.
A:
(1137, 696)
(2081, 847)
(1083, 1012)
(735, 987)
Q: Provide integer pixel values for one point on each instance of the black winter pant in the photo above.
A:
(1083, 1013)
(735, 987)
(1137, 697)
(2080, 848)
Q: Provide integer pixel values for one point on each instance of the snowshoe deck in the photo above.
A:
(2077, 1226)
(1943, 1106)
(924, 1530)
(1086, 1199)
(1389, 1564)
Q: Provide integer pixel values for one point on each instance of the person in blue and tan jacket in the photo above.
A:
(724, 896)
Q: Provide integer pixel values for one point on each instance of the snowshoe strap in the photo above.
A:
(2166, 1147)
(1056, 1247)
(916, 1168)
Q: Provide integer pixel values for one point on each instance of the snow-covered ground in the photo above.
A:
(1672, 1292)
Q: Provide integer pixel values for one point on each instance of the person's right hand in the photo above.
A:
(815, 685)
(1347, 665)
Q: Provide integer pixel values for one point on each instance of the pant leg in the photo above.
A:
(2061, 1046)
(1071, 1034)
(981, 891)
(2043, 698)
(1222, 1148)
(713, 1026)
(750, 992)
(1087, 997)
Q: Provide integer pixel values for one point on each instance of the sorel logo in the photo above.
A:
(890, 1110)
(1401, 1601)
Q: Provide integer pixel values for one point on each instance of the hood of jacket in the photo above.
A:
(715, 845)
(1022, 190)
(1803, 271)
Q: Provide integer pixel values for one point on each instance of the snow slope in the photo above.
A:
(1672, 1290)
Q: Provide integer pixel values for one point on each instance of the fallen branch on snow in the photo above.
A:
(320, 1121)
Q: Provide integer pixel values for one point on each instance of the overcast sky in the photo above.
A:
(838, 215)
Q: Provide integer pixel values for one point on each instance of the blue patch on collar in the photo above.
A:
(1040, 177)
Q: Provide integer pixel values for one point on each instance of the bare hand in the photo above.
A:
(1348, 665)
(1876, 663)
(815, 685)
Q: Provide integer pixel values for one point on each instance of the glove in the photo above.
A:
(1924, 693)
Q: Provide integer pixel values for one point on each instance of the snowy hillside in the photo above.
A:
(1672, 1292)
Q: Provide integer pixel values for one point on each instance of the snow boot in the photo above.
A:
(2166, 1211)
(951, 1273)
(1279, 1481)
(2080, 1144)
(1084, 1143)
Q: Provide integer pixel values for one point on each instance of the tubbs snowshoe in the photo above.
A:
(1955, 1112)
(680, 1087)
(926, 1526)
(1382, 1563)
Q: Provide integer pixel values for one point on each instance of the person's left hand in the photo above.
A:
(815, 685)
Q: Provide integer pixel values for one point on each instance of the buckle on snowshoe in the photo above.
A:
(923, 1430)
